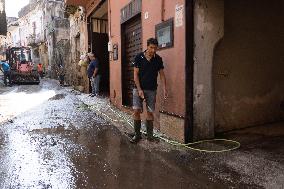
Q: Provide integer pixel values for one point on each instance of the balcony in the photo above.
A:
(82, 3)
(31, 40)
(57, 23)
(39, 38)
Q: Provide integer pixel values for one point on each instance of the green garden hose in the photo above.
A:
(236, 144)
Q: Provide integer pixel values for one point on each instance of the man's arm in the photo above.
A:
(137, 82)
(163, 79)
(96, 65)
(95, 72)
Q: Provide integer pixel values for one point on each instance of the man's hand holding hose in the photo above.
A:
(141, 93)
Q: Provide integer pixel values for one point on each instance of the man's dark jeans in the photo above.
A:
(7, 75)
(61, 80)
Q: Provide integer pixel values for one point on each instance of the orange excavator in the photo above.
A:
(22, 67)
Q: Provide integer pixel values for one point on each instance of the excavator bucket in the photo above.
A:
(24, 78)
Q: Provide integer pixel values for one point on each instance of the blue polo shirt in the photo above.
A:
(93, 65)
(5, 66)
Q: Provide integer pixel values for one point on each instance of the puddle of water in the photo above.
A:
(14, 103)
(58, 97)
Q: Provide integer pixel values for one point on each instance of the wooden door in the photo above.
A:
(132, 45)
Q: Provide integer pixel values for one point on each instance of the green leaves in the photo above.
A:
(71, 9)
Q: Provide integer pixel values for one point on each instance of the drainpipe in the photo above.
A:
(189, 66)
(163, 10)
(109, 22)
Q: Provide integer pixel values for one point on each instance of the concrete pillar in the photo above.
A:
(208, 30)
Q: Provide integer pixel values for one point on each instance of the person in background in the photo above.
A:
(5, 68)
(61, 74)
(40, 70)
(93, 74)
(60, 68)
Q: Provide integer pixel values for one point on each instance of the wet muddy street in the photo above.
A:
(47, 141)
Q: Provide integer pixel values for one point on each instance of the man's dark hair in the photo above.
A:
(93, 53)
(152, 41)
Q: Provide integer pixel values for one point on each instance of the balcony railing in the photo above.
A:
(57, 23)
(31, 40)
(34, 39)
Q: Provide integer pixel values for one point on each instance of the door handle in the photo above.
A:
(223, 73)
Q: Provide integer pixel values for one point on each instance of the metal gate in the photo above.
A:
(132, 45)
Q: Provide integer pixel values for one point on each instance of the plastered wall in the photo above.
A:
(249, 64)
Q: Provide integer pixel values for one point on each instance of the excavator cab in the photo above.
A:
(22, 67)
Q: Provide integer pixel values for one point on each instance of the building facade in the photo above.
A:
(118, 30)
(222, 60)
(31, 29)
(43, 27)
(76, 74)
(13, 35)
(56, 29)
(132, 23)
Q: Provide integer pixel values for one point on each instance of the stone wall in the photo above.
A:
(57, 35)
(77, 75)
(208, 30)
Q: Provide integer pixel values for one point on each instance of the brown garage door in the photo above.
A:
(132, 35)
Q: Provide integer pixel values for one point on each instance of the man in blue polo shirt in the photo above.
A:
(5, 68)
(147, 66)
(93, 74)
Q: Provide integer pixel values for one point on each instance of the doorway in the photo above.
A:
(98, 43)
(188, 126)
(132, 45)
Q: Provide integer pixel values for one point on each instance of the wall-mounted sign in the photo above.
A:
(164, 34)
(179, 16)
(115, 52)
(146, 15)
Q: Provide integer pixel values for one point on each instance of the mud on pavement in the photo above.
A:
(52, 142)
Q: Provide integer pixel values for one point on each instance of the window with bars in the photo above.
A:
(100, 25)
